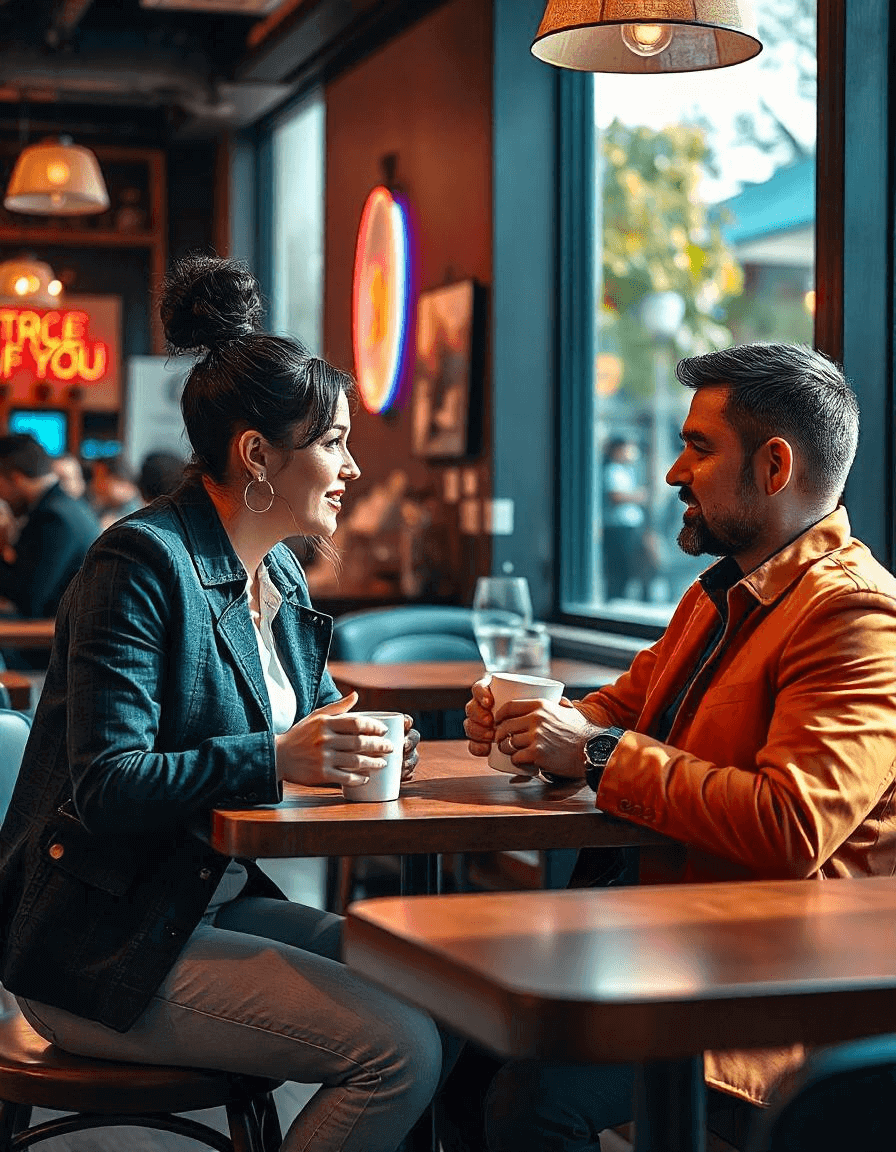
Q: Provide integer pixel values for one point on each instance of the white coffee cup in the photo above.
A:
(507, 686)
(384, 783)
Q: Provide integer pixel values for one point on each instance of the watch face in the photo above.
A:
(600, 748)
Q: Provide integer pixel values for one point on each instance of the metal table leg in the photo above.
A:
(670, 1106)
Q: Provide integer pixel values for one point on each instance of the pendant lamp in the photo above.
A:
(57, 178)
(24, 280)
(647, 36)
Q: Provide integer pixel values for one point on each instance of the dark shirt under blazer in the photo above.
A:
(154, 712)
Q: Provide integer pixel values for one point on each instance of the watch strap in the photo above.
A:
(598, 750)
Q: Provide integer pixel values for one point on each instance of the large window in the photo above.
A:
(297, 233)
(704, 226)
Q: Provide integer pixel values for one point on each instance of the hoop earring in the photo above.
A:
(260, 479)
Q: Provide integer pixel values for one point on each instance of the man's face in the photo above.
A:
(724, 514)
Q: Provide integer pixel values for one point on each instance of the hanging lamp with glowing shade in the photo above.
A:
(57, 178)
(647, 36)
(24, 280)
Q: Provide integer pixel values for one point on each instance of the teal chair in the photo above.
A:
(104, 1093)
(14, 729)
(841, 1098)
(405, 634)
(398, 635)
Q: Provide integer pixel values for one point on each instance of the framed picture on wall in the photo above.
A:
(446, 398)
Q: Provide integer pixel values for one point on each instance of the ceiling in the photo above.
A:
(150, 71)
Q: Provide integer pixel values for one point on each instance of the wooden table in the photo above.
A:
(652, 975)
(442, 685)
(26, 633)
(18, 686)
(455, 803)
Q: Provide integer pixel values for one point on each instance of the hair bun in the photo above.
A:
(207, 301)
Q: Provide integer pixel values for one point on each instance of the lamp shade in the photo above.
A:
(24, 280)
(646, 36)
(57, 178)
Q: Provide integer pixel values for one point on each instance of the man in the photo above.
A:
(113, 489)
(37, 565)
(760, 729)
(160, 474)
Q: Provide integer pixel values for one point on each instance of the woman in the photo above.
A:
(189, 673)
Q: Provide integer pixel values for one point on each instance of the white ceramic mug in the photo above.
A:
(384, 783)
(507, 686)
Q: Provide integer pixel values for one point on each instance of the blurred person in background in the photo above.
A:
(624, 519)
(160, 473)
(71, 475)
(113, 489)
(44, 533)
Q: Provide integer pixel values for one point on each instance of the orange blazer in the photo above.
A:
(781, 759)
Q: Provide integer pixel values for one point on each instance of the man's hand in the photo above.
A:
(535, 734)
(538, 734)
(480, 722)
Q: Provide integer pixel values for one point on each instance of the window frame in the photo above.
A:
(845, 64)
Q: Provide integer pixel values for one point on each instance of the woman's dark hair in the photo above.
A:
(244, 377)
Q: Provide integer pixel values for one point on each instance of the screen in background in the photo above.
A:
(48, 426)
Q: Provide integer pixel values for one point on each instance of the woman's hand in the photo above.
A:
(333, 746)
(480, 722)
(411, 755)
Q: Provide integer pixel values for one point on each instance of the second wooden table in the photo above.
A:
(440, 685)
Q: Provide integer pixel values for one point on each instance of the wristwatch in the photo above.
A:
(598, 750)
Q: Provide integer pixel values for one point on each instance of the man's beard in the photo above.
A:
(732, 534)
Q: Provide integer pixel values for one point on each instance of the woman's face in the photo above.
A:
(313, 479)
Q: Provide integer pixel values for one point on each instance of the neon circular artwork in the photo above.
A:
(381, 298)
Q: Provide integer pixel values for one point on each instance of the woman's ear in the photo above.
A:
(252, 452)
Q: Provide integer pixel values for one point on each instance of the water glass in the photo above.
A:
(502, 609)
(532, 651)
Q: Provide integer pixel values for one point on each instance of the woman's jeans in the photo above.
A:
(262, 992)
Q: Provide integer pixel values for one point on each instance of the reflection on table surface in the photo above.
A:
(455, 803)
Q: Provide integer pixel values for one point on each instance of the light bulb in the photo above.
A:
(57, 172)
(55, 287)
(22, 286)
(646, 39)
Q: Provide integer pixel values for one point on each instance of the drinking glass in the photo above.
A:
(501, 609)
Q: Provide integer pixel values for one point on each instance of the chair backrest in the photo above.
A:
(405, 633)
(14, 729)
(841, 1097)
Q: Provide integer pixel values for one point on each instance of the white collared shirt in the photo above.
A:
(281, 693)
(283, 711)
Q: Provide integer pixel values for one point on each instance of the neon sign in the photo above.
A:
(50, 345)
(381, 298)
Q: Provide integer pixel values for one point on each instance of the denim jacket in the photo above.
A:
(154, 711)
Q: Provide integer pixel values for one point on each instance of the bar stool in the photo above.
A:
(102, 1093)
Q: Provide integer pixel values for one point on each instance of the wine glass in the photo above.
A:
(501, 610)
